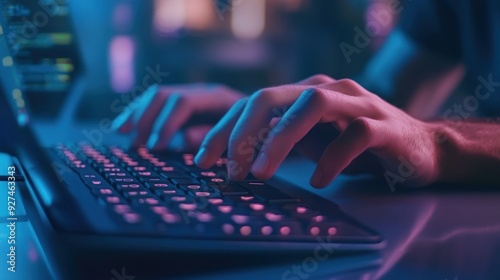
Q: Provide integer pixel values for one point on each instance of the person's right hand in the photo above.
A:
(164, 110)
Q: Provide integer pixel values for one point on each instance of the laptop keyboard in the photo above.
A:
(174, 196)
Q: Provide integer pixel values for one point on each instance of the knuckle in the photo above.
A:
(315, 96)
(348, 83)
(262, 96)
(363, 126)
(321, 79)
(241, 103)
(178, 98)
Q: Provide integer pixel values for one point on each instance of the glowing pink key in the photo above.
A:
(227, 228)
(318, 218)
(246, 198)
(217, 180)
(314, 231)
(245, 230)
(159, 209)
(208, 174)
(96, 182)
(194, 187)
(225, 208)
(240, 219)
(215, 201)
(167, 168)
(121, 208)
(132, 217)
(202, 194)
(285, 230)
(204, 217)
(273, 217)
(301, 210)
(113, 199)
(187, 206)
(178, 198)
(152, 201)
(170, 218)
(105, 191)
(257, 206)
(266, 230)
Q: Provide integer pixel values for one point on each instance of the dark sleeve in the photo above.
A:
(433, 24)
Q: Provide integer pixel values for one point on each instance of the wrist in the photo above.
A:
(447, 151)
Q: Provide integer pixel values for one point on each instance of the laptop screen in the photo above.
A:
(42, 44)
(12, 89)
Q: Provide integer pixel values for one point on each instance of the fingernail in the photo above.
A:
(118, 122)
(150, 144)
(317, 178)
(261, 163)
(201, 156)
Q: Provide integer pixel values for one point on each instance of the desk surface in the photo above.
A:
(431, 233)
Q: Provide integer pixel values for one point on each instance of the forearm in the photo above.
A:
(468, 152)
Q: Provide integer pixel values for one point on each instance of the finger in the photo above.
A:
(253, 126)
(305, 112)
(124, 122)
(150, 110)
(173, 115)
(216, 140)
(316, 80)
(194, 135)
(316, 140)
(344, 86)
(360, 135)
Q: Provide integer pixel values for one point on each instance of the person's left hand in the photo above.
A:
(365, 121)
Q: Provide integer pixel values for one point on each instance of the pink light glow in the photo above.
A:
(121, 56)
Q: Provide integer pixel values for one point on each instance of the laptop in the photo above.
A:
(104, 211)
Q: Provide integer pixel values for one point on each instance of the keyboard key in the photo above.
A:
(323, 229)
(255, 186)
(151, 179)
(175, 174)
(185, 181)
(229, 189)
(104, 191)
(130, 187)
(148, 200)
(132, 218)
(195, 187)
(112, 199)
(121, 208)
(275, 196)
(204, 194)
(131, 194)
(164, 193)
(121, 180)
(162, 185)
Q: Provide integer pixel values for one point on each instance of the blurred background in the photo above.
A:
(118, 45)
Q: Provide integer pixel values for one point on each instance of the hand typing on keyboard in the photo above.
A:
(259, 131)
(164, 110)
